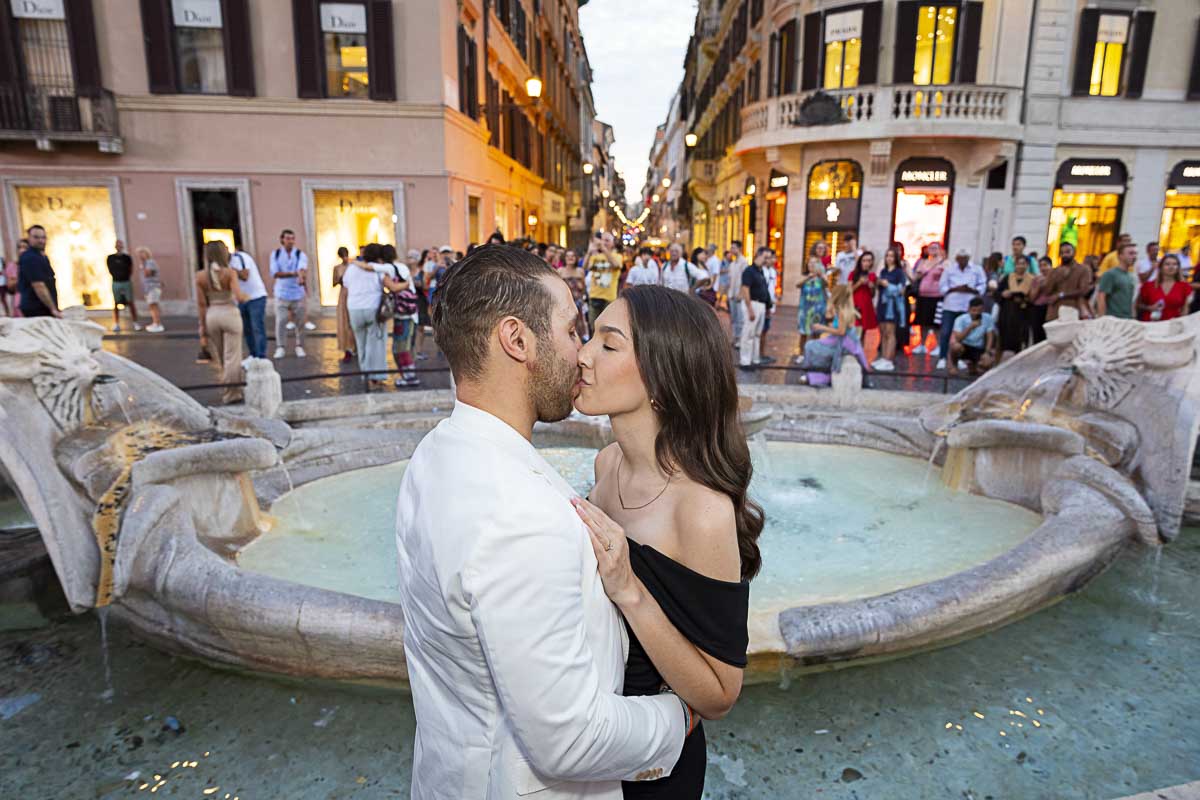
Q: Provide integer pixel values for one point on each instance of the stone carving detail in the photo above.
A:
(1107, 355)
(56, 357)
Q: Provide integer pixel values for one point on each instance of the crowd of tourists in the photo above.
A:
(965, 314)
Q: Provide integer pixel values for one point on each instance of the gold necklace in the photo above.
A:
(622, 499)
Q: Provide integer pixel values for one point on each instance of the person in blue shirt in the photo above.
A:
(973, 339)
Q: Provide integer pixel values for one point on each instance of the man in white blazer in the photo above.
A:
(515, 655)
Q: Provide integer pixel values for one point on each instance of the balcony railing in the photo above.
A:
(867, 112)
(48, 115)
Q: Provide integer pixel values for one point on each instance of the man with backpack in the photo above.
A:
(683, 275)
(289, 269)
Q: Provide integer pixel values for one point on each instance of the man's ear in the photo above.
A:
(515, 339)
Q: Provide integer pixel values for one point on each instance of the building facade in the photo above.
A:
(168, 123)
(960, 122)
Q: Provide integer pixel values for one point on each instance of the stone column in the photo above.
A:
(264, 391)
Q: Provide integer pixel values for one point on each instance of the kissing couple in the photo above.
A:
(556, 645)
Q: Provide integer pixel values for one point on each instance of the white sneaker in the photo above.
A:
(962, 365)
(116, 328)
(885, 366)
(279, 352)
(300, 352)
(291, 326)
(919, 350)
(137, 326)
(941, 364)
(309, 326)
(155, 329)
(936, 352)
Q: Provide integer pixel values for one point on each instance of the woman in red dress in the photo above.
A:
(862, 283)
(1167, 297)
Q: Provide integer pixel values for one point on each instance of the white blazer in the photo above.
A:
(516, 657)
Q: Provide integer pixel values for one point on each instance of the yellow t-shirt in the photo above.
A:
(605, 278)
(1108, 262)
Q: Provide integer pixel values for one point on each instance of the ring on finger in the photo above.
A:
(608, 546)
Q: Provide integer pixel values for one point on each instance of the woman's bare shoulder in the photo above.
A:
(706, 529)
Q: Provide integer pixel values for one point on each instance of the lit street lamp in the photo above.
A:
(690, 139)
(533, 87)
(587, 168)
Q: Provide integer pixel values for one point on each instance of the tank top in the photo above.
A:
(216, 297)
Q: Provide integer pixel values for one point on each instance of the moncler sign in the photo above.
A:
(38, 9)
(196, 13)
(343, 18)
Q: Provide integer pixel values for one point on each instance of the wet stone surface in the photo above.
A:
(1093, 698)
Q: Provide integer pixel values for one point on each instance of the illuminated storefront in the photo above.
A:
(80, 231)
(1180, 229)
(777, 191)
(348, 218)
(1086, 208)
(834, 192)
(747, 212)
(924, 195)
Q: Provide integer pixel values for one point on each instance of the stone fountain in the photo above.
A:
(144, 497)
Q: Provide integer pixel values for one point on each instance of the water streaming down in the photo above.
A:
(1050, 385)
(109, 692)
(842, 523)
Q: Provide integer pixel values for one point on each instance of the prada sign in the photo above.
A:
(343, 18)
(196, 13)
(843, 26)
(38, 9)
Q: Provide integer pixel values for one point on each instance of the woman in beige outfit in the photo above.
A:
(217, 295)
(345, 333)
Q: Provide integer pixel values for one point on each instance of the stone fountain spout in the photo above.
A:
(1124, 394)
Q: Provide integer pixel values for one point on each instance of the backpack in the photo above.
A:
(404, 302)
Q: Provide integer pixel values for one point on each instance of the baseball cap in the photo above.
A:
(445, 249)
(414, 254)
(962, 251)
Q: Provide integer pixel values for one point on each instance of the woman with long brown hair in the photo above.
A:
(217, 295)
(813, 294)
(672, 525)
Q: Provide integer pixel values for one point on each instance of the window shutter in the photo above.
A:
(906, 41)
(1085, 50)
(1193, 92)
(787, 67)
(810, 78)
(381, 52)
(773, 65)
(1143, 27)
(868, 62)
(10, 68)
(157, 30)
(239, 55)
(81, 30)
(968, 43)
(310, 50)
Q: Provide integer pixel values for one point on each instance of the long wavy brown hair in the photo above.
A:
(685, 361)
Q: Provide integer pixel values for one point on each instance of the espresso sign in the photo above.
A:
(196, 13)
(38, 9)
(844, 26)
(343, 18)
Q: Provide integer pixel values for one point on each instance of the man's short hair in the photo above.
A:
(737, 243)
(1020, 239)
(712, 247)
(285, 232)
(33, 228)
(849, 237)
(1129, 244)
(975, 302)
(483, 288)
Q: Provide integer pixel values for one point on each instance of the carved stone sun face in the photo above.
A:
(56, 357)
(1107, 356)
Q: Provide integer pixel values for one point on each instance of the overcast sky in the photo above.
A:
(636, 48)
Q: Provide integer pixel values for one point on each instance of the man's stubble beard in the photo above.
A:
(552, 385)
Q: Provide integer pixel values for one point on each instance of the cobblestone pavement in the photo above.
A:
(173, 355)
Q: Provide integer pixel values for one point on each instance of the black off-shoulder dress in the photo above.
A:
(711, 614)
